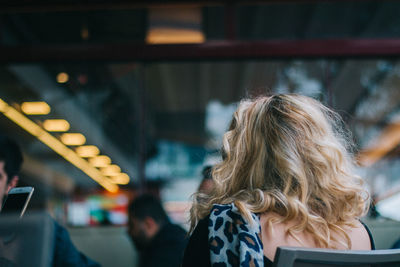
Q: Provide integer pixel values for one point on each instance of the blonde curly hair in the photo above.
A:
(288, 154)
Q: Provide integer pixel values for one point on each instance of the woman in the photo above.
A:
(286, 179)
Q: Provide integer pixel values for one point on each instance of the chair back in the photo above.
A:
(26, 241)
(315, 257)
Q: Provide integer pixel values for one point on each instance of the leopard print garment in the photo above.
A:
(233, 241)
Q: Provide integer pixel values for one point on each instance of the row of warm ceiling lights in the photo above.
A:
(108, 175)
(76, 139)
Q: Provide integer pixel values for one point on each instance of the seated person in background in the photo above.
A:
(159, 242)
(65, 253)
(286, 179)
(207, 183)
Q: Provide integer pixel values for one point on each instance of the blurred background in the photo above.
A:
(110, 99)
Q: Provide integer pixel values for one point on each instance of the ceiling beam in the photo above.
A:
(216, 50)
(27, 6)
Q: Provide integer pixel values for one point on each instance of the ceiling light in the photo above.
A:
(3, 106)
(122, 178)
(175, 25)
(87, 151)
(73, 139)
(111, 170)
(174, 36)
(53, 143)
(62, 77)
(85, 33)
(35, 108)
(100, 161)
(56, 125)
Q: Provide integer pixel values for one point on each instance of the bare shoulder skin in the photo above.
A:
(275, 236)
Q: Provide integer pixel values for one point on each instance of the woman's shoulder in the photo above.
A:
(361, 238)
(232, 237)
(276, 234)
(197, 252)
(218, 212)
(228, 215)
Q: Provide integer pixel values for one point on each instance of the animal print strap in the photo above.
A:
(232, 240)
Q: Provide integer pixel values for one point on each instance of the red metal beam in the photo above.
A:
(224, 50)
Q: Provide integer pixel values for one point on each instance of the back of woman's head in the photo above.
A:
(288, 154)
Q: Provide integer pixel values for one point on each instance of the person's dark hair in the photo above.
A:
(148, 206)
(206, 172)
(11, 154)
